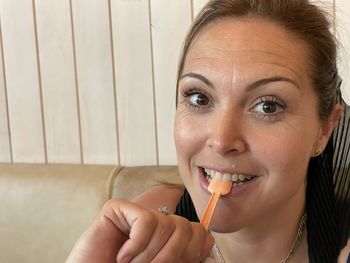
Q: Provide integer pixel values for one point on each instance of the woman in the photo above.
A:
(258, 100)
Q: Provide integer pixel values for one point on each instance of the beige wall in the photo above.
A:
(93, 81)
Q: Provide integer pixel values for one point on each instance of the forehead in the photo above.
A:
(233, 43)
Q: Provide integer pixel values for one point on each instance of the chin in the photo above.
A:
(224, 223)
(221, 227)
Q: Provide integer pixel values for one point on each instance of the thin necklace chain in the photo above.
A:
(296, 239)
(290, 252)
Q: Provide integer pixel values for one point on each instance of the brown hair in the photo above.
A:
(305, 20)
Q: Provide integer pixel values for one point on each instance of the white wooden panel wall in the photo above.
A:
(93, 81)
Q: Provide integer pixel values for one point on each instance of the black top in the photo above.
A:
(327, 197)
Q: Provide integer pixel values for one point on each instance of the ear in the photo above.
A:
(327, 127)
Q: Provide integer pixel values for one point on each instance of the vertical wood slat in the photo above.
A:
(342, 28)
(58, 83)
(170, 21)
(95, 81)
(23, 89)
(134, 83)
(5, 149)
(114, 78)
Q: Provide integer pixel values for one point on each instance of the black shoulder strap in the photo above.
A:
(185, 208)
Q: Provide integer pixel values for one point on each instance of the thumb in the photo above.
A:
(107, 234)
(208, 245)
(134, 221)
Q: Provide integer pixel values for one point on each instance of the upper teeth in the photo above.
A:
(226, 176)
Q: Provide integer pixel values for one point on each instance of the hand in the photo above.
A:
(126, 232)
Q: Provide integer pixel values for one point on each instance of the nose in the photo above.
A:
(226, 136)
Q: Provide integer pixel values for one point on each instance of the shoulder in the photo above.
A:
(158, 196)
(344, 255)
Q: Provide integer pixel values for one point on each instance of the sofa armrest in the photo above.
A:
(132, 181)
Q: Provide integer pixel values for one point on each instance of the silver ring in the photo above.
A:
(164, 210)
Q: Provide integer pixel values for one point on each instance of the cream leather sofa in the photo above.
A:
(44, 208)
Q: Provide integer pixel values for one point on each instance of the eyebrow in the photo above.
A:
(262, 82)
(198, 76)
(250, 87)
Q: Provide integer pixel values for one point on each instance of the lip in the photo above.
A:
(236, 191)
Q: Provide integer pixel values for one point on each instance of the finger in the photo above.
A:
(132, 220)
(160, 236)
(136, 221)
(99, 243)
(197, 248)
(207, 247)
(177, 243)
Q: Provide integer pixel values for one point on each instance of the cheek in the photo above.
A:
(187, 136)
(285, 151)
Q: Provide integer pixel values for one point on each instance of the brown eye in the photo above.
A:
(196, 99)
(199, 99)
(269, 107)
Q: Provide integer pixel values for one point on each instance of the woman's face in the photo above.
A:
(247, 107)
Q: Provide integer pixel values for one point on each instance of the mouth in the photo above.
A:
(237, 178)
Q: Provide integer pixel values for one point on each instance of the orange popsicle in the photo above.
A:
(217, 187)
